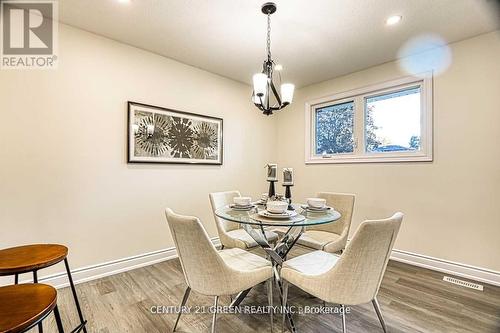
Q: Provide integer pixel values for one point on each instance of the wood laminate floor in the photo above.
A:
(412, 300)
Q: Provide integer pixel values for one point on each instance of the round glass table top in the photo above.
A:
(303, 218)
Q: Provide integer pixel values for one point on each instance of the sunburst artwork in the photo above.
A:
(160, 135)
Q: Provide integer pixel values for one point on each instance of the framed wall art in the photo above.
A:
(160, 135)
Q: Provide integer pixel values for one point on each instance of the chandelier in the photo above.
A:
(265, 95)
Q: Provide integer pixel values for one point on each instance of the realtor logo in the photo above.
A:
(29, 34)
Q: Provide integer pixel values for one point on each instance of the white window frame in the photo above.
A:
(359, 96)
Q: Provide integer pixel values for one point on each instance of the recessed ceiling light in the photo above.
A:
(278, 67)
(124, 1)
(393, 20)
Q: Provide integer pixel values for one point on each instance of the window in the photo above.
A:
(334, 128)
(392, 121)
(389, 122)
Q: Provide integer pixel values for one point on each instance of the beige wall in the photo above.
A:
(64, 176)
(63, 171)
(452, 205)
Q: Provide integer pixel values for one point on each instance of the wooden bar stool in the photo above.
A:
(25, 305)
(31, 258)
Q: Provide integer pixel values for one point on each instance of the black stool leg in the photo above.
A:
(60, 327)
(75, 296)
(16, 279)
(35, 280)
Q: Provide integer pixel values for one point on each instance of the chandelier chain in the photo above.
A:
(269, 36)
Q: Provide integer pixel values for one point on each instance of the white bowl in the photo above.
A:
(242, 201)
(276, 207)
(316, 202)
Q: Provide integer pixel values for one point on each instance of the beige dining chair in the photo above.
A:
(211, 272)
(352, 278)
(331, 237)
(230, 233)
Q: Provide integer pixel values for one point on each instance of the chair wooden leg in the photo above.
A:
(284, 304)
(214, 319)
(270, 300)
(183, 302)
(379, 314)
(60, 328)
(344, 327)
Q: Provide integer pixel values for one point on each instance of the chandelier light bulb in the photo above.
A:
(287, 90)
(259, 84)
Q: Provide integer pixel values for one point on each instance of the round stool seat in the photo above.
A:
(23, 305)
(27, 258)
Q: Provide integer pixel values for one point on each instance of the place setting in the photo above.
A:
(242, 204)
(277, 210)
(315, 205)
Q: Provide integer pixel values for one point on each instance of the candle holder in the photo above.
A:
(272, 190)
(288, 196)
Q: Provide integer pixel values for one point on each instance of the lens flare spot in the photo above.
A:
(425, 53)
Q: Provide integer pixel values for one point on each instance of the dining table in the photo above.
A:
(255, 221)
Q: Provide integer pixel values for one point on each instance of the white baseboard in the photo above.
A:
(449, 267)
(93, 272)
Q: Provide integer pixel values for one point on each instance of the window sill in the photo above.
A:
(370, 159)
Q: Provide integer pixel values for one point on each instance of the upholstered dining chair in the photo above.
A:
(331, 237)
(230, 233)
(352, 278)
(211, 272)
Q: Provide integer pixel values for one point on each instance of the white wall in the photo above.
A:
(452, 204)
(63, 171)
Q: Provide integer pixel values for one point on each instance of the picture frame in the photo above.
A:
(160, 135)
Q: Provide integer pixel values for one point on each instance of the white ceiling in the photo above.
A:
(315, 40)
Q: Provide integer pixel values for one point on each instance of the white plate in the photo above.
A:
(312, 209)
(287, 214)
(236, 207)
